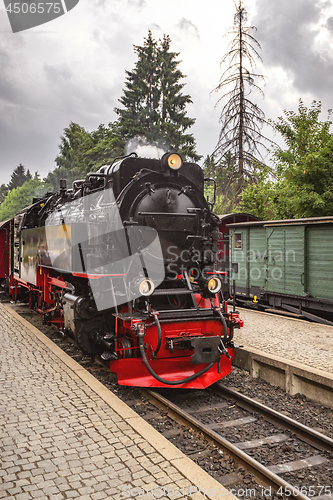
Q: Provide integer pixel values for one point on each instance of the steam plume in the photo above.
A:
(143, 149)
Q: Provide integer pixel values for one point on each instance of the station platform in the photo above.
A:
(294, 340)
(291, 353)
(64, 435)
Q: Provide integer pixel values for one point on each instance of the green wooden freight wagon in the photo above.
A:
(286, 263)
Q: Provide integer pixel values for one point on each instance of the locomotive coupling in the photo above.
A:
(140, 330)
(223, 350)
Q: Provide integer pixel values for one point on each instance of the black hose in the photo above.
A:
(159, 331)
(225, 336)
(162, 380)
(224, 323)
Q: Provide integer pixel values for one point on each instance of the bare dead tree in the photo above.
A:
(240, 138)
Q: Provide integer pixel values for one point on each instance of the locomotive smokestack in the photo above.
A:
(63, 186)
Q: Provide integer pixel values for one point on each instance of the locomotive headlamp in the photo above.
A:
(173, 161)
(146, 287)
(214, 285)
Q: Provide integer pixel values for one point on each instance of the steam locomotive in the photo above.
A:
(126, 261)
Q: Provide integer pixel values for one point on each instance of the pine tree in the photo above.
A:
(141, 94)
(18, 177)
(154, 105)
(173, 119)
(241, 119)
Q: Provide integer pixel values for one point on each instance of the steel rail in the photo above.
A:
(315, 438)
(239, 455)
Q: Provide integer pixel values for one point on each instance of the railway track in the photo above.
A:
(267, 475)
(232, 468)
(311, 436)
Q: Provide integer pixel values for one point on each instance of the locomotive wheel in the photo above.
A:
(124, 343)
(32, 300)
(88, 333)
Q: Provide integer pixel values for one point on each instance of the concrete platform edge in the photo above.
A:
(293, 377)
(279, 314)
(210, 488)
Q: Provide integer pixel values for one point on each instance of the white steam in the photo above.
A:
(143, 149)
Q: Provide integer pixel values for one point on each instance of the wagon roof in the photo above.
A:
(239, 216)
(297, 222)
(4, 223)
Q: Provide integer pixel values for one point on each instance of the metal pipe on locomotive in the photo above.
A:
(126, 261)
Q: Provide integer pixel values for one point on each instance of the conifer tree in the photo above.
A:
(154, 105)
(18, 177)
(241, 119)
(141, 94)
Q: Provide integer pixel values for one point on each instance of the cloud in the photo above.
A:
(137, 3)
(187, 25)
(73, 69)
(58, 73)
(289, 33)
(329, 23)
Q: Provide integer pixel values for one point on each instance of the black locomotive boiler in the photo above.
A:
(125, 260)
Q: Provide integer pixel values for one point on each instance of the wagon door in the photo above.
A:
(257, 257)
(238, 247)
(285, 260)
(320, 261)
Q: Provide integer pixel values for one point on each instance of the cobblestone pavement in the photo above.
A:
(291, 339)
(59, 439)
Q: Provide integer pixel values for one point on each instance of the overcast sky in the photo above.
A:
(73, 68)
